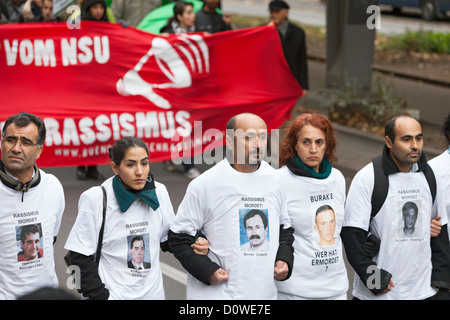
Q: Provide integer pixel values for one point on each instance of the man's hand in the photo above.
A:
(281, 270)
(389, 288)
(200, 246)
(219, 276)
(435, 227)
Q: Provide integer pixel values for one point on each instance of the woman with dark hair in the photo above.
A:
(183, 19)
(94, 10)
(136, 205)
(315, 195)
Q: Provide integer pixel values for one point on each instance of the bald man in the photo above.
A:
(216, 204)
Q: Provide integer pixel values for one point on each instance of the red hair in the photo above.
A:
(287, 146)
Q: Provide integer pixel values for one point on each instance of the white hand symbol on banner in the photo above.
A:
(174, 69)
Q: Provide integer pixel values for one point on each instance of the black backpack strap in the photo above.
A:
(380, 187)
(431, 179)
(100, 236)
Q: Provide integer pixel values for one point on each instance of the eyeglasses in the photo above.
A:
(25, 144)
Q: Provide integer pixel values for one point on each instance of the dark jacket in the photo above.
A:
(294, 48)
(87, 5)
(211, 22)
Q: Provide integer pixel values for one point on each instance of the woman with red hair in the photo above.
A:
(315, 193)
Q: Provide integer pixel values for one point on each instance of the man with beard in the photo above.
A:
(405, 267)
(213, 204)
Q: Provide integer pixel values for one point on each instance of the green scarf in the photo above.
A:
(125, 197)
(324, 169)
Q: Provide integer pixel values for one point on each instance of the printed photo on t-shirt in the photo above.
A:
(254, 230)
(30, 244)
(324, 225)
(138, 255)
(410, 222)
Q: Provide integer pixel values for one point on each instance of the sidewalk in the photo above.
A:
(356, 148)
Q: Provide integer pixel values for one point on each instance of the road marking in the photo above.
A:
(174, 273)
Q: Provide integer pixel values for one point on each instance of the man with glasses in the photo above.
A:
(28, 196)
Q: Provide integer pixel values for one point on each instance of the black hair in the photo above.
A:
(86, 7)
(121, 146)
(31, 228)
(137, 238)
(389, 129)
(253, 213)
(325, 207)
(409, 205)
(23, 119)
(179, 8)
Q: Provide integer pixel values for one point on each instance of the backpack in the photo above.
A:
(381, 185)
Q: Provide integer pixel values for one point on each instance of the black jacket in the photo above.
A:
(294, 48)
(211, 22)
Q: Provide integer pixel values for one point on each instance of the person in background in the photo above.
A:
(81, 4)
(47, 12)
(293, 41)
(183, 19)
(14, 9)
(133, 11)
(4, 14)
(32, 10)
(94, 10)
(209, 20)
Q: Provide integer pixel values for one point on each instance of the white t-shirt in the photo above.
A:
(217, 203)
(42, 206)
(116, 268)
(319, 266)
(405, 254)
(441, 169)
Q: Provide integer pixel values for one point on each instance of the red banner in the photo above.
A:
(99, 83)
